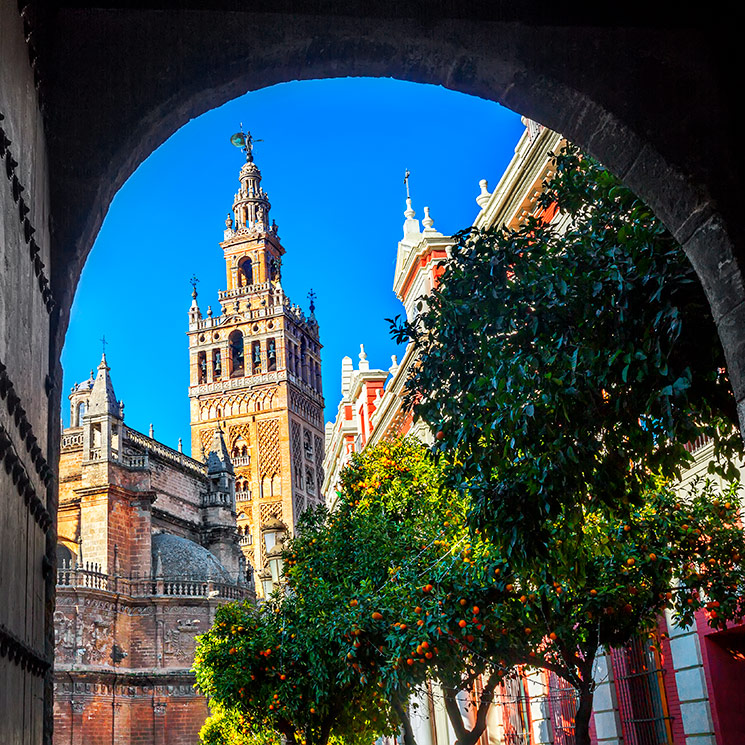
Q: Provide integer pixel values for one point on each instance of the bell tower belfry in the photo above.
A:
(255, 370)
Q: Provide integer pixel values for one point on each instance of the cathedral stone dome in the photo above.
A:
(176, 558)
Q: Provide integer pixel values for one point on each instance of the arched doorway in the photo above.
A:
(92, 91)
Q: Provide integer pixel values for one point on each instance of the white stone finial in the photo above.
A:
(364, 364)
(484, 196)
(411, 224)
(347, 367)
(180, 446)
(428, 222)
(152, 431)
(394, 364)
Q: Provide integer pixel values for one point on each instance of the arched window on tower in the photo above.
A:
(256, 357)
(202, 367)
(82, 408)
(271, 354)
(64, 557)
(236, 353)
(216, 365)
(303, 361)
(245, 272)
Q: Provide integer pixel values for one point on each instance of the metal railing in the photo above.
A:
(563, 702)
(640, 689)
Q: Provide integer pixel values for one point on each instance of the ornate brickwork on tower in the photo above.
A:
(256, 368)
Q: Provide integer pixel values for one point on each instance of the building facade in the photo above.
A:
(675, 688)
(255, 370)
(147, 551)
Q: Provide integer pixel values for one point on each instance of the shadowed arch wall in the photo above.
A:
(86, 94)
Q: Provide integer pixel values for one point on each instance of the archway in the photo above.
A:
(113, 84)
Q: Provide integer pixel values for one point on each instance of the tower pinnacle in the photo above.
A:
(251, 205)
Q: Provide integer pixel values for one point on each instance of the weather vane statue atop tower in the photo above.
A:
(245, 141)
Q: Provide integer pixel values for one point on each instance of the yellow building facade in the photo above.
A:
(255, 370)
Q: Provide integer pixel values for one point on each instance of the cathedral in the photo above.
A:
(256, 373)
(151, 541)
(147, 551)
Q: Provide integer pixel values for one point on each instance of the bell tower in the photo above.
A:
(255, 370)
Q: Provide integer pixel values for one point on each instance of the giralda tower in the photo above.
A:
(255, 371)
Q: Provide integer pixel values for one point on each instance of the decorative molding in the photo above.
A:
(27, 227)
(270, 458)
(19, 476)
(22, 654)
(25, 429)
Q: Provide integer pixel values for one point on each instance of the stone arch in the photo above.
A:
(588, 82)
(599, 86)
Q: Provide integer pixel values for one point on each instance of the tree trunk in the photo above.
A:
(584, 712)
(403, 717)
(465, 736)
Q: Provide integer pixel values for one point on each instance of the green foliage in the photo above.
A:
(393, 589)
(228, 727)
(568, 361)
(272, 665)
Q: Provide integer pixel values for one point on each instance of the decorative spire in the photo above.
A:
(102, 399)
(484, 196)
(194, 313)
(151, 433)
(411, 225)
(364, 364)
(312, 298)
(218, 460)
(428, 222)
(251, 205)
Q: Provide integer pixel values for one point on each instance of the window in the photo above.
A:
(563, 703)
(245, 272)
(64, 557)
(256, 357)
(511, 697)
(271, 355)
(235, 341)
(640, 688)
(82, 408)
(202, 367)
(216, 365)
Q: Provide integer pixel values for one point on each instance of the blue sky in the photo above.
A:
(332, 160)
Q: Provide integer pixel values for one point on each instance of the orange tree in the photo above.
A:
(374, 571)
(392, 590)
(568, 359)
(269, 671)
(417, 596)
(563, 367)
